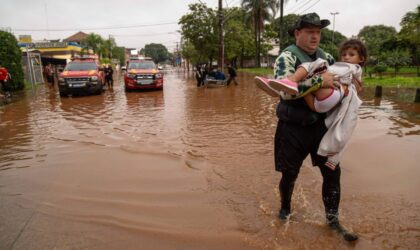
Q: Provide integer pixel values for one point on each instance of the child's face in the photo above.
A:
(351, 56)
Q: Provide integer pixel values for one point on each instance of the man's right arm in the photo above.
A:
(285, 65)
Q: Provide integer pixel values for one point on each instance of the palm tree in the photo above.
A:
(93, 41)
(106, 48)
(258, 12)
(281, 7)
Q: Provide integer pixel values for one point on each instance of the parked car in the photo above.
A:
(81, 76)
(142, 74)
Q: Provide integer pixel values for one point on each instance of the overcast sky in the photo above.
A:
(135, 23)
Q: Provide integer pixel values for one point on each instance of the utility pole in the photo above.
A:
(221, 38)
(110, 38)
(333, 13)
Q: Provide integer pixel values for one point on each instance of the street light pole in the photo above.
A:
(333, 13)
(221, 38)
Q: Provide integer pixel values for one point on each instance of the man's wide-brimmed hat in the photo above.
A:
(310, 19)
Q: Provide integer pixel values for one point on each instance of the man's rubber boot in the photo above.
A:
(286, 192)
(284, 213)
(336, 226)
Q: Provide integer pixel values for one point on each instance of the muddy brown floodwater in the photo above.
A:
(189, 168)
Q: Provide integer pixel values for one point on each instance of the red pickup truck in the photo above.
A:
(142, 74)
(81, 76)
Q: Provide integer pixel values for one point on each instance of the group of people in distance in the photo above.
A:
(317, 112)
(201, 74)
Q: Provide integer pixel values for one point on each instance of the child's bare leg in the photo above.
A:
(323, 93)
(310, 100)
(325, 99)
(299, 75)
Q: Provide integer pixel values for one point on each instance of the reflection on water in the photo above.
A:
(192, 167)
(396, 105)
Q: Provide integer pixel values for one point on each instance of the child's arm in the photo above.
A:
(358, 84)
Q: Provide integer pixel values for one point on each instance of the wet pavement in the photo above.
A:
(192, 168)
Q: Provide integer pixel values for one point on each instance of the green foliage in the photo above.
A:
(190, 53)
(410, 27)
(410, 33)
(258, 12)
(374, 37)
(395, 58)
(238, 38)
(288, 23)
(94, 42)
(11, 59)
(398, 81)
(157, 52)
(104, 60)
(118, 53)
(378, 69)
(326, 38)
(105, 49)
(199, 28)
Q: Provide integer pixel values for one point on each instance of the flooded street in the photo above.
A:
(192, 168)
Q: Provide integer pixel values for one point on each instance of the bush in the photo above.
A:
(11, 59)
(379, 69)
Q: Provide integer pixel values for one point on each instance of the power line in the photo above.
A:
(101, 28)
(300, 5)
(148, 34)
(310, 7)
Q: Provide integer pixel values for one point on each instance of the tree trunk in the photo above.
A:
(281, 23)
(256, 42)
(242, 57)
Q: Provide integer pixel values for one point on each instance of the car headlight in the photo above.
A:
(159, 75)
(132, 76)
(94, 78)
(61, 79)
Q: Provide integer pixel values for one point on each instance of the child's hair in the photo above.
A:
(356, 45)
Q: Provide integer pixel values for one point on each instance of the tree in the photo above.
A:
(374, 36)
(326, 42)
(105, 48)
(395, 58)
(189, 52)
(280, 34)
(199, 27)
(11, 59)
(258, 11)
(235, 28)
(288, 22)
(157, 52)
(410, 33)
(119, 53)
(94, 42)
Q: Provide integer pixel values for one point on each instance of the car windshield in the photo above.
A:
(142, 65)
(79, 66)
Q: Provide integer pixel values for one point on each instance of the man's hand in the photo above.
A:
(328, 81)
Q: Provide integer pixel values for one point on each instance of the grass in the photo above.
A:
(385, 81)
(389, 70)
(399, 81)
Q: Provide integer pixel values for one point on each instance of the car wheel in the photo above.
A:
(99, 91)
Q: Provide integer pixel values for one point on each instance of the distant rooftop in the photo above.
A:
(78, 37)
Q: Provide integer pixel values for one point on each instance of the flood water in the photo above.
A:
(192, 168)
